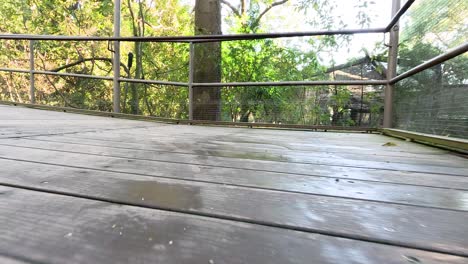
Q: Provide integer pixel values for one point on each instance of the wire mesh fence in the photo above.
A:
(430, 28)
(14, 87)
(434, 101)
(319, 105)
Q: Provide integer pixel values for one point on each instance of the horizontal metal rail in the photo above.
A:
(237, 37)
(197, 38)
(398, 15)
(14, 70)
(294, 83)
(436, 60)
(432, 62)
(57, 73)
(107, 78)
(181, 84)
(232, 84)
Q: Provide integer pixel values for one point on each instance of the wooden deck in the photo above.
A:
(86, 189)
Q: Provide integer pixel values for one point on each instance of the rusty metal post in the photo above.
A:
(190, 80)
(32, 89)
(116, 58)
(391, 68)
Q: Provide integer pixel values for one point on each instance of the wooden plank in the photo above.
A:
(264, 154)
(456, 167)
(10, 109)
(12, 260)
(90, 112)
(147, 142)
(451, 143)
(406, 178)
(276, 162)
(256, 139)
(87, 231)
(110, 149)
(374, 191)
(62, 116)
(191, 122)
(423, 228)
(21, 122)
(107, 120)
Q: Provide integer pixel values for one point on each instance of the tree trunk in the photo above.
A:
(138, 31)
(207, 68)
(138, 75)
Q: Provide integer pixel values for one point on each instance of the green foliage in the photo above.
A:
(242, 61)
(261, 61)
(93, 18)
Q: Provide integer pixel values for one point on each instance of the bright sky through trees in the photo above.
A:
(287, 18)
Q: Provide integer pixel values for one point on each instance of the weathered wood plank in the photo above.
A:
(411, 195)
(400, 177)
(268, 157)
(12, 260)
(302, 139)
(436, 140)
(263, 140)
(91, 113)
(423, 228)
(146, 172)
(207, 149)
(241, 135)
(86, 231)
(18, 121)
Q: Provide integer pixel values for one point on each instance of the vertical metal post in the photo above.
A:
(190, 80)
(32, 89)
(391, 68)
(116, 59)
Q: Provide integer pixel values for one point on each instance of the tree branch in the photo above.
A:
(234, 10)
(85, 60)
(243, 4)
(257, 21)
(132, 15)
(54, 86)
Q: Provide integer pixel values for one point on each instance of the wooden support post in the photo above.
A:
(116, 58)
(392, 67)
(32, 89)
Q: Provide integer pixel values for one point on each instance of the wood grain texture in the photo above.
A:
(264, 155)
(85, 231)
(411, 195)
(430, 229)
(86, 189)
(273, 168)
(458, 144)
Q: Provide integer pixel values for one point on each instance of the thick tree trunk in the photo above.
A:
(207, 68)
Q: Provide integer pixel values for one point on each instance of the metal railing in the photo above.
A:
(391, 28)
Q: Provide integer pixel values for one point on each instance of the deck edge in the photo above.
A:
(453, 144)
(190, 122)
